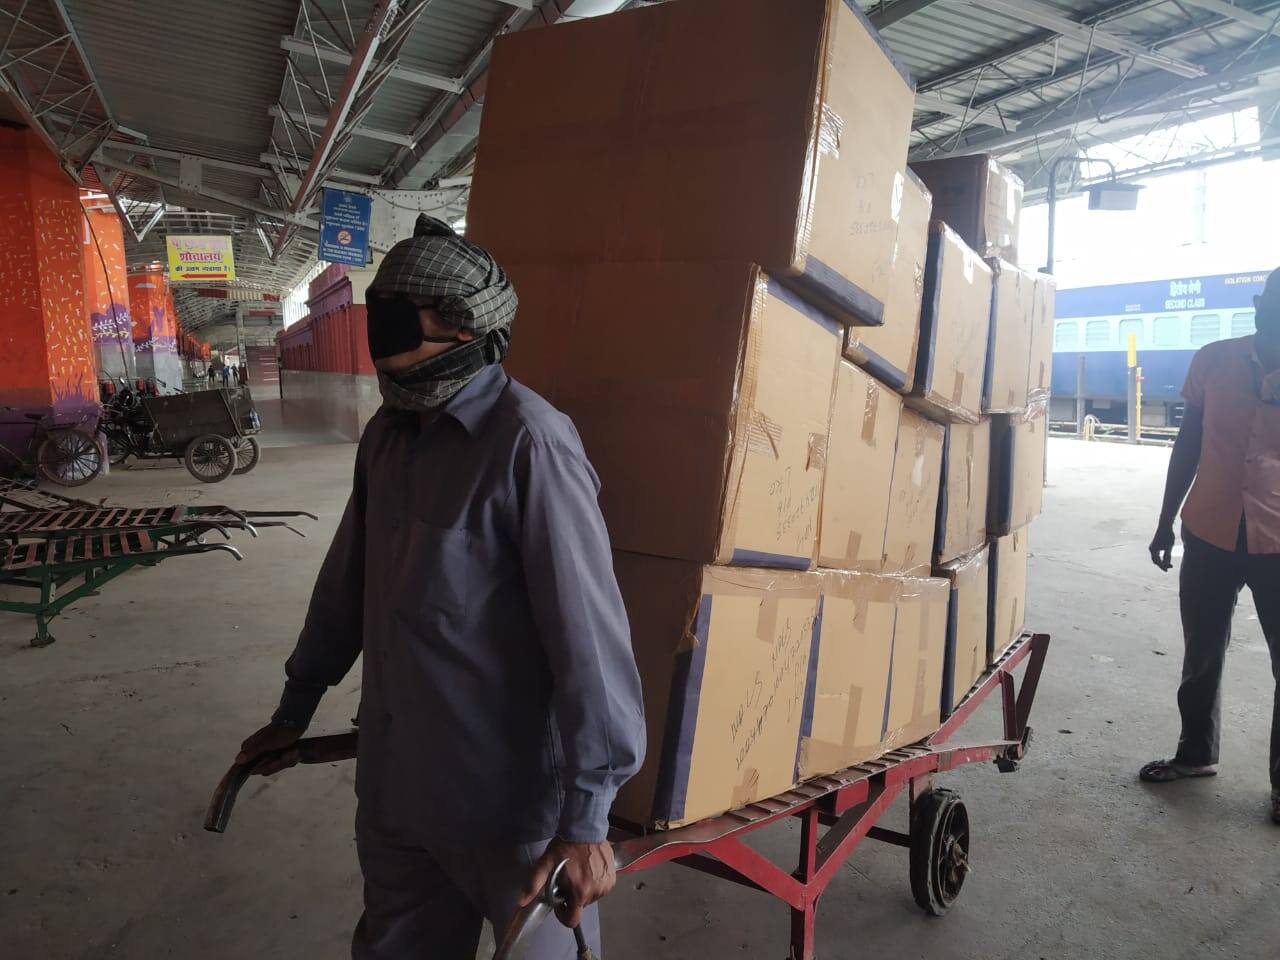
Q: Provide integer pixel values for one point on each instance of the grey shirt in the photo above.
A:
(500, 698)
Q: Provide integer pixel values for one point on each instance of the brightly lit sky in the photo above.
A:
(1219, 219)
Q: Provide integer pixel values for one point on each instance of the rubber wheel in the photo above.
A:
(116, 453)
(939, 850)
(210, 458)
(70, 458)
(248, 452)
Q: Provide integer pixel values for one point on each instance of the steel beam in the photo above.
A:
(317, 123)
(934, 102)
(1042, 15)
(219, 196)
(1263, 24)
(1141, 93)
(347, 176)
(887, 16)
(408, 74)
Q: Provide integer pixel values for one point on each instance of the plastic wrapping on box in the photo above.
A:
(913, 499)
(1014, 312)
(919, 648)
(955, 322)
(1017, 468)
(963, 498)
(966, 649)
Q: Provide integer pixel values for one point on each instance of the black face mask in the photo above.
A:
(394, 326)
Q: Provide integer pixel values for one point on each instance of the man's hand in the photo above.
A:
(1162, 546)
(272, 737)
(588, 876)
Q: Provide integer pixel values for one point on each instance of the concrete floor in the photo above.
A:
(114, 737)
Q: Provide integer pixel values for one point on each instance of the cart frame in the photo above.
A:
(847, 804)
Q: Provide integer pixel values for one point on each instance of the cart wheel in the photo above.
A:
(117, 453)
(69, 458)
(939, 850)
(210, 458)
(248, 451)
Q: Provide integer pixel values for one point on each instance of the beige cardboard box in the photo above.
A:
(919, 648)
(980, 198)
(966, 626)
(963, 499)
(1041, 373)
(1008, 598)
(725, 656)
(859, 472)
(1013, 314)
(913, 498)
(855, 649)
(889, 351)
(955, 321)
(718, 129)
(1017, 469)
(702, 392)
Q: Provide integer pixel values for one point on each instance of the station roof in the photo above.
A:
(231, 117)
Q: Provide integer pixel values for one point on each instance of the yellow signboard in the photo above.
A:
(200, 258)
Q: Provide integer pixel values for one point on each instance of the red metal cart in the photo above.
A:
(847, 804)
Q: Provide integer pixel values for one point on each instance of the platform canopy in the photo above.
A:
(231, 117)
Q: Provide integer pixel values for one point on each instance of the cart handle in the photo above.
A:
(323, 749)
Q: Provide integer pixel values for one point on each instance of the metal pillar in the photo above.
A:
(1135, 395)
(1080, 401)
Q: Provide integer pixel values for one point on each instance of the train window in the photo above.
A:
(1066, 334)
(1205, 328)
(1131, 326)
(1242, 323)
(1097, 333)
(1166, 331)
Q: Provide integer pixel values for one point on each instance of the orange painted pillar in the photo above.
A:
(148, 290)
(106, 290)
(46, 343)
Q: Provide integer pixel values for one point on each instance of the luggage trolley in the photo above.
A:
(836, 813)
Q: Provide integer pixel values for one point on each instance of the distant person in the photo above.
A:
(226, 375)
(242, 375)
(212, 372)
(1229, 446)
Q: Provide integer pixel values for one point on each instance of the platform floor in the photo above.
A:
(113, 738)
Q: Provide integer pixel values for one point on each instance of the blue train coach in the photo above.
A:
(1172, 319)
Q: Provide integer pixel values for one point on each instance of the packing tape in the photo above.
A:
(957, 391)
(764, 434)
(895, 204)
(853, 549)
(748, 385)
(830, 133)
(746, 791)
(861, 609)
(870, 411)
(851, 717)
(817, 451)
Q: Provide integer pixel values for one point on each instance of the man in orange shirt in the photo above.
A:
(1229, 447)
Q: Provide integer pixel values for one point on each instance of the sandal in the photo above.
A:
(1166, 771)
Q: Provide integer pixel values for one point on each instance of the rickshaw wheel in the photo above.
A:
(70, 458)
(248, 452)
(939, 850)
(210, 458)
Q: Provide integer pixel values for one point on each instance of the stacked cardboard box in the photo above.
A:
(722, 274)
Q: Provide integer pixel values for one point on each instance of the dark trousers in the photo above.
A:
(1209, 583)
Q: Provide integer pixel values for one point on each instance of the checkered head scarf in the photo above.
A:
(471, 291)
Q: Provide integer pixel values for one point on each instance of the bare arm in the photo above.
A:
(1183, 463)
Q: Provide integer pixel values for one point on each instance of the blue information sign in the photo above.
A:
(344, 227)
(1224, 291)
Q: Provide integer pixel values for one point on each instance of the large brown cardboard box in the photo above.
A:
(725, 657)
(1017, 469)
(889, 351)
(919, 648)
(963, 498)
(1013, 314)
(1007, 602)
(702, 393)
(705, 129)
(980, 198)
(1042, 317)
(966, 658)
(955, 321)
(855, 649)
(859, 472)
(913, 497)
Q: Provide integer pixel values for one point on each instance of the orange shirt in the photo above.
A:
(1239, 471)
